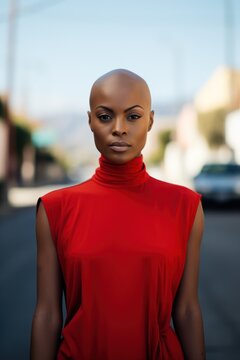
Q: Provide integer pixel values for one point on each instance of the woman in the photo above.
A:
(123, 246)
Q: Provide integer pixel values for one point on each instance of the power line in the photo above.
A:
(30, 9)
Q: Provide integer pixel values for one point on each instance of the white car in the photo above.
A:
(219, 182)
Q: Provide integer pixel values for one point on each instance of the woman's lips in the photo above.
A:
(120, 146)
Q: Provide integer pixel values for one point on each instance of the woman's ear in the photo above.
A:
(151, 120)
(89, 119)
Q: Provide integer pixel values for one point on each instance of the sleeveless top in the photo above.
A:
(121, 239)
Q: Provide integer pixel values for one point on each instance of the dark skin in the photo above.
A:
(120, 110)
(120, 104)
(48, 318)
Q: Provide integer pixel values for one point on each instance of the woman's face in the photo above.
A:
(120, 113)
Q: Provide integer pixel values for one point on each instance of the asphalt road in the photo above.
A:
(219, 283)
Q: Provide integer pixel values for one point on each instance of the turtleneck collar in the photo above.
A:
(131, 173)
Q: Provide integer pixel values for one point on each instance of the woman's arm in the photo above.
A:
(47, 319)
(187, 317)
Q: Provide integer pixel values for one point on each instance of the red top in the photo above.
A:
(121, 239)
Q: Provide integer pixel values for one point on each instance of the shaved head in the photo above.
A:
(120, 111)
(120, 79)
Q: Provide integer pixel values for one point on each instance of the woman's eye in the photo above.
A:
(104, 117)
(133, 116)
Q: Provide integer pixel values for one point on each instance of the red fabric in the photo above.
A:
(121, 240)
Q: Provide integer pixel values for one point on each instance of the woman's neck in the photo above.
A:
(131, 173)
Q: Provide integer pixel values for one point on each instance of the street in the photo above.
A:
(219, 283)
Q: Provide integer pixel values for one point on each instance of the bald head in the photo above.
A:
(120, 80)
(120, 109)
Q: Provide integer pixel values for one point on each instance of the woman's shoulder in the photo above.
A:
(55, 196)
(66, 190)
(174, 191)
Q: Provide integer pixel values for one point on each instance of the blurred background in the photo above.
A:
(189, 54)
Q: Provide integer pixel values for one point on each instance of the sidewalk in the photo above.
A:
(19, 197)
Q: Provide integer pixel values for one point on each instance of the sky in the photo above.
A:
(63, 46)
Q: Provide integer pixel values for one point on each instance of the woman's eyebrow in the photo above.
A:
(104, 107)
(132, 107)
(108, 109)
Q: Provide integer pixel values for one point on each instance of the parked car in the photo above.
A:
(219, 182)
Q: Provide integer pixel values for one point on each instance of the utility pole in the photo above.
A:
(229, 33)
(9, 172)
(230, 47)
(11, 49)
(10, 161)
(178, 70)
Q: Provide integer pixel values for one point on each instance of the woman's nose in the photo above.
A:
(119, 126)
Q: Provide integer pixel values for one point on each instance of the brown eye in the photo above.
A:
(104, 117)
(133, 116)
